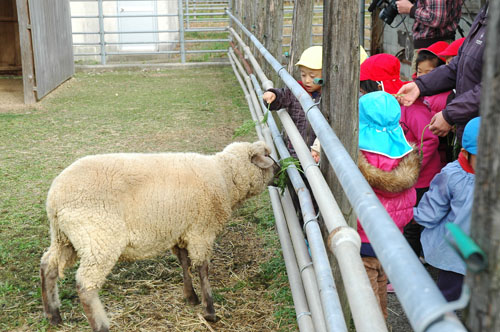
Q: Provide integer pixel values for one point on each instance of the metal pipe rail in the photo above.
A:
(328, 295)
(417, 292)
(301, 253)
(366, 311)
(328, 292)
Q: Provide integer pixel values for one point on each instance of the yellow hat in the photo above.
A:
(362, 55)
(312, 58)
(316, 146)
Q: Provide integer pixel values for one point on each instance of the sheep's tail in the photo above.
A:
(61, 253)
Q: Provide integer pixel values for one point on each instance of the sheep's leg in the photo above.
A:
(189, 292)
(90, 277)
(57, 257)
(208, 301)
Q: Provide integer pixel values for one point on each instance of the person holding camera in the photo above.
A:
(435, 20)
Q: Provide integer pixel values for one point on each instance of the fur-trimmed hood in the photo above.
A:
(402, 177)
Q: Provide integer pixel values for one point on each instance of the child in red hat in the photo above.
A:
(380, 72)
(452, 50)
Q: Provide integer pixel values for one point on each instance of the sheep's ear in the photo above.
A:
(262, 161)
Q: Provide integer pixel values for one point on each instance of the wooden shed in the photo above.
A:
(36, 42)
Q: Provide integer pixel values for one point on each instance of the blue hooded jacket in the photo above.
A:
(449, 199)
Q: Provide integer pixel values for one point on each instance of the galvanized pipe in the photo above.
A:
(266, 83)
(304, 261)
(304, 319)
(247, 95)
(101, 32)
(417, 292)
(332, 309)
(181, 32)
(331, 303)
(345, 244)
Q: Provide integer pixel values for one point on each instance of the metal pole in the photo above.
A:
(346, 241)
(233, 61)
(304, 319)
(181, 32)
(101, 32)
(417, 292)
(187, 13)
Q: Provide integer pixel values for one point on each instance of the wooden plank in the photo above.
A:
(484, 307)
(52, 43)
(26, 52)
(339, 102)
(301, 32)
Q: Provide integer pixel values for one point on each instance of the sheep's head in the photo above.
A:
(255, 168)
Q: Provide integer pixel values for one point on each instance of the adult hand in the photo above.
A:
(408, 94)
(269, 97)
(439, 126)
(404, 6)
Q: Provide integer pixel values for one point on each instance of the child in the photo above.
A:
(428, 59)
(415, 120)
(391, 167)
(310, 64)
(452, 50)
(449, 199)
(380, 72)
(316, 151)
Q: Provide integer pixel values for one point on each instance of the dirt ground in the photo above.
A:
(11, 94)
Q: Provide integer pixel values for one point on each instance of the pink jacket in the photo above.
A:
(436, 103)
(414, 120)
(393, 181)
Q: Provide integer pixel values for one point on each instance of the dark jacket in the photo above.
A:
(463, 73)
(286, 99)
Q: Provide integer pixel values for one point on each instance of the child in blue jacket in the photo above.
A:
(449, 199)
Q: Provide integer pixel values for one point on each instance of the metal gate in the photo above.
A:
(52, 43)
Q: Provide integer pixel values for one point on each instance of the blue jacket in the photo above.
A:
(449, 199)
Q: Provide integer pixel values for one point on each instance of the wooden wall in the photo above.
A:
(10, 52)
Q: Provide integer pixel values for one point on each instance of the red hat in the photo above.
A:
(382, 67)
(452, 49)
(436, 48)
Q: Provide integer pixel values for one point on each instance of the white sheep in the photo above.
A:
(127, 206)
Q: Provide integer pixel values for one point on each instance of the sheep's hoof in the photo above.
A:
(55, 318)
(193, 299)
(211, 317)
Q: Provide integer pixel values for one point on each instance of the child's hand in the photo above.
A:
(269, 97)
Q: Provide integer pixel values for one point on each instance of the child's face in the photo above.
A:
(448, 59)
(470, 157)
(315, 156)
(307, 76)
(425, 67)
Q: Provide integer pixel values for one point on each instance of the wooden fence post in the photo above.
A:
(484, 308)
(339, 102)
(301, 32)
(272, 36)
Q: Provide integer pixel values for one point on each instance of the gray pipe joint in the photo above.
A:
(341, 235)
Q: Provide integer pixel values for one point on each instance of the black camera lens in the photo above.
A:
(389, 13)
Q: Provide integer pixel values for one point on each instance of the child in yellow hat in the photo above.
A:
(310, 65)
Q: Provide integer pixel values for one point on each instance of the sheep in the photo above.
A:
(130, 206)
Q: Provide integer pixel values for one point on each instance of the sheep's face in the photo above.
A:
(264, 167)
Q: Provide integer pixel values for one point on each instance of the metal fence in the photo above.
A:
(149, 30)
(425, 306)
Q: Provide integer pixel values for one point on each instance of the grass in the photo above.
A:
(168, 110)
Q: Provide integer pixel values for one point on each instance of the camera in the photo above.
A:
(388, 13)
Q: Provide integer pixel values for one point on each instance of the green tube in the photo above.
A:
(474, 257)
